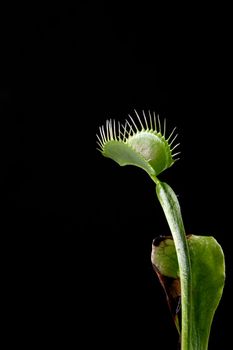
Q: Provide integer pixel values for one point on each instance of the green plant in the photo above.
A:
(191, 268)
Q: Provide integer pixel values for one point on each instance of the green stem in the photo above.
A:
(171, 208)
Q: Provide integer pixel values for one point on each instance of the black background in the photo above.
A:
(76, 228)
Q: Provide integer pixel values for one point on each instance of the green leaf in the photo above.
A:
(208, 277)
(143, 145)
(124, 154)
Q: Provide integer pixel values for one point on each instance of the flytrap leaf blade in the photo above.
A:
(138, 142)
(208, 278)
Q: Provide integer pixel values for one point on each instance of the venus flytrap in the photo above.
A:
(142, 142)
(144, 146)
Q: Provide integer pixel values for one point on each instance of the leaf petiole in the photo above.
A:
(171, 208)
